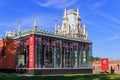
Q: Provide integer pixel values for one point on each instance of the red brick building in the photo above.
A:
(113, 64)
(7, 53)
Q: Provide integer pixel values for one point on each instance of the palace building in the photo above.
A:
(66, 50)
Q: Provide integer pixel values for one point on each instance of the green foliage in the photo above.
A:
(61, 77)
(96, 58)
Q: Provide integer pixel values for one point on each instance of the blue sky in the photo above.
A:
(102, 18)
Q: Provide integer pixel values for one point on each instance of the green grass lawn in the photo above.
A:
(62, 77)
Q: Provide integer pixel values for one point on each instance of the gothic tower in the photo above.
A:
(71, 25)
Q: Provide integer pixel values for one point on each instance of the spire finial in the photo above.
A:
(19, 27)
(55, 21)
(64, 6)
(65, 11)
(77, 11)
(35, 22)
(78, 15)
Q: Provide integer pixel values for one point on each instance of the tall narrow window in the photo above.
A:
(84, 56)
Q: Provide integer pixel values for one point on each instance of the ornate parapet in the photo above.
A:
(50, 33)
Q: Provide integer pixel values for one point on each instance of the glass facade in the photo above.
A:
(57, 53)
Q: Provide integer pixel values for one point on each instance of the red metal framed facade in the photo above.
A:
(31, 51)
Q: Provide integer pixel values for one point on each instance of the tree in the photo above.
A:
(95, 58)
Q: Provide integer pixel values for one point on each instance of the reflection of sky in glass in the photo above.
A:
(71, 21)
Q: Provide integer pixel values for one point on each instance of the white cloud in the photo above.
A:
(56, 3)
(9, 26)
(98, 27)
(43, 22)
(111, 22)
(112, 38)
(114, 26)
(96, 5)
(113, 19)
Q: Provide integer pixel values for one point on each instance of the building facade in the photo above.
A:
(113, 65)
(7, 52)
(66, 50)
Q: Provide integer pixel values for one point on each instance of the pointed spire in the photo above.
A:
(78, 16)
(65, 13)
(6, 33)
(84, 30)
(55, 22)
(55, 25)
(86, 35)
(35, 23)
(19, 28)
(78, 12)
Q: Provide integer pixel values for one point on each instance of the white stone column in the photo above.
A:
(60, 54)
(90, 55)
(64, 58)
(75, 59)
(54, 55)
(80, 58)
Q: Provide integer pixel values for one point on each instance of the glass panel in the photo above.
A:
(58, 57)
(84, 57)
(76, 59)
(48, 57)
(67, 58)
(21, 59)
